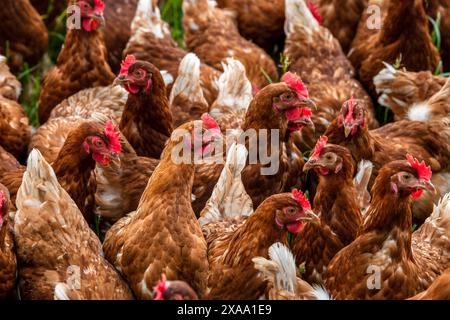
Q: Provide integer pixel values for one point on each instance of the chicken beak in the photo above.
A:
(427, 185)
(120, 80)
(310, 215)
(310, 165)
(99, 18)
(310, 104)
(347, 130)
(307, 122)
(115, 160)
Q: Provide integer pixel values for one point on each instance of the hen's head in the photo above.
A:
(173, 290)
(329, 159)
(287, 101)
(138, 76)
(91, 14)
(294, 103)
(104, 146)
(199, 137)
(293, 211)
(352, 117)
(4, 203)
(405, 178)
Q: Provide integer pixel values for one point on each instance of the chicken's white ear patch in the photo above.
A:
(419, 112)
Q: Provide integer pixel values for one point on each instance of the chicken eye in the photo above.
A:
(329, 157)
(99, 143)
(406, 176)
(287, 96)
(291, 210)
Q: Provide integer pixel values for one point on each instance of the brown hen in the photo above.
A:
(59, 256)
(213, 35)
(22, 33)
(317, 57)
(8, 263)
(163, 234)
(152, 41)
(335, 203)
(397, 32)
(81, 64)
(387, 260)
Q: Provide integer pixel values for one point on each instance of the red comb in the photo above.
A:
(315, 12)
(296, 83)
(423, 171)
(319, 146)
(160, 288)
(126, 64)
(99, 6)
(304, 202)
(209, 121)
(351, 109)
(113, 136)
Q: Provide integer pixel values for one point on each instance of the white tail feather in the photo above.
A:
(440, 210)
(61, 292)
(298, 14)
(229, 198)
(361, 182)
(37, 170)
(235, 90)
(188, 80)
(148, 19)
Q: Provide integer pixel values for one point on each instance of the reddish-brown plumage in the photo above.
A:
(404, 35)
(146, 120)
(318, 58)
(59, 256)
(213, 35)
(23, 32)
(163, 235)
(81, 64)
(425, 140)
(230, 251)
(261, 116)
(152, 41)
(439, 289)
(73, 167)
(336, 205)
(341, 17)
(387, 261)
(258, 21)
(8, 264)
(118, 16)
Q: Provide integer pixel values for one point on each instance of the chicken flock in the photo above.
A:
(96, 204)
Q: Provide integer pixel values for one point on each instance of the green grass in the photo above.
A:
(31, 76)
(172, 13)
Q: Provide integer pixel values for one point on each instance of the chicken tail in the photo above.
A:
(148, 19)
(298, 14)
(38, 177)
(188, 80)
(436, 228)
(235, 90)
(281, 273)
(407, 93)
(438, 105)
(229, 198)
(280, 270)
(361, 182)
